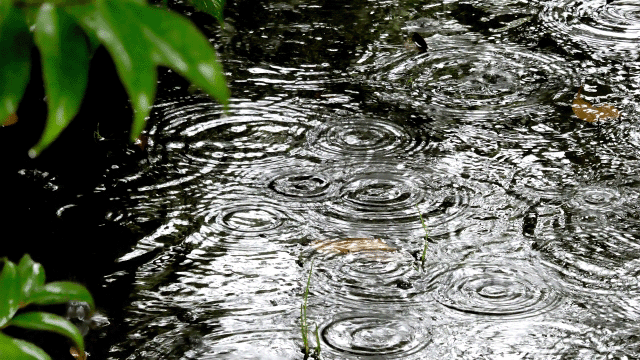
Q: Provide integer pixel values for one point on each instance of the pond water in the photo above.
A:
(339, 128)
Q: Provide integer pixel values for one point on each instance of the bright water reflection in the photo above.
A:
(338, 131)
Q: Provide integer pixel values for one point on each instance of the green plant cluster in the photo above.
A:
(138, 36)
(24, 284)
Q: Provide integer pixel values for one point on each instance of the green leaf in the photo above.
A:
(87, 13)
(65, 65)
(182, 47)
(15, 58)
(214, 8)
(9, 292)
(131, 53)
(60, 292)
(16, 349)
(49, 322)
(31, 275)
(178, 44)
(5, 7)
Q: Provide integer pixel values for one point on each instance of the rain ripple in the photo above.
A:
(300, 185)
(247, 224)
(366, 277)
(365, 138)
(596, 247)
(251, 132)
(614, 25)
(508, 291)
(461, 74)
(382, 198)
(372, 335)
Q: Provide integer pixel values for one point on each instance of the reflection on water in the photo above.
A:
(339, 134)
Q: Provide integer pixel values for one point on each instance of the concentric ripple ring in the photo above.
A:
(375, 335)
(484, 289)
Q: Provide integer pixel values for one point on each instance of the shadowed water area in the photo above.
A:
(338, 128)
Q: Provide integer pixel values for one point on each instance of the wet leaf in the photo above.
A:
(587, 112)
(142, 142)
(10, 120)
(31, 275)
(15, 59)
(60, 292)
(139, 38)
(351, 245)
(65, 66)
(130, 51)
(49, 322)
(177, 44)
(211, 7)
(77, 354)
(16, 349)
(9, 292)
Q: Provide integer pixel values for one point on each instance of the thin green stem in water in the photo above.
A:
(426, 236)
(304, 326)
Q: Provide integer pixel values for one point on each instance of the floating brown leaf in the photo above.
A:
(587, 112)
(77, 354)
(10, 120)
(142, 141)
(351, 245)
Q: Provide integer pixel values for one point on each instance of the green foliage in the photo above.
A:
(60, 39)
(24, 284)
(139, 37)
(15, 62)
(212, 7)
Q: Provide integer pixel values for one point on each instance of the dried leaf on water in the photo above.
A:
(512, 24)
(351, 245)
(141, 141)
(10, 120)
(77, 354)
(587, 112)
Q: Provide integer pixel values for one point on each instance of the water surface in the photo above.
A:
(338, 129)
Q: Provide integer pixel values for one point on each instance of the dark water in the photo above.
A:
(339, 129)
